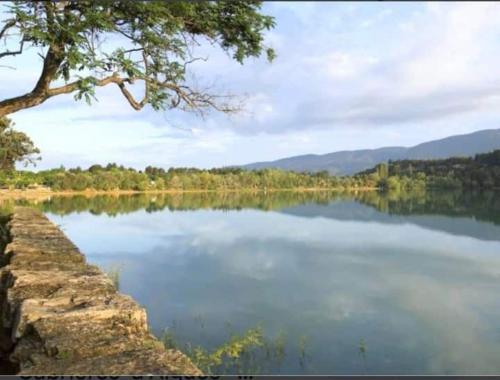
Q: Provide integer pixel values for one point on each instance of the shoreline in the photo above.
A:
(83, 317)
(37, 193)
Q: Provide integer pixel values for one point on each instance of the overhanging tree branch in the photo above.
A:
(155, 37)
(188, 98)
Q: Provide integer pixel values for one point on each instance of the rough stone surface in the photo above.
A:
(62, 316)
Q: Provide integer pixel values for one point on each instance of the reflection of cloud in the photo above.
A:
(424, 301)
(450, 314)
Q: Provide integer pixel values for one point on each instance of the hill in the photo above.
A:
(350, 162)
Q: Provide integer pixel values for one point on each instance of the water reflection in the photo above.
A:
(459, 213)
(484, 206)
(359, 284)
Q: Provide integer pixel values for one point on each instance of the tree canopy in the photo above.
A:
(86, 44)
(14, 146)
(479, 172)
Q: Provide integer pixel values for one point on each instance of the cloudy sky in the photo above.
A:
(347, 76)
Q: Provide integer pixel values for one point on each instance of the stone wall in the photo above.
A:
(60, 315)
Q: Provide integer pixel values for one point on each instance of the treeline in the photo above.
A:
(479, 172)
(113, 177)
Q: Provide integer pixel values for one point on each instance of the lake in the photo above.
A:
(338, 283)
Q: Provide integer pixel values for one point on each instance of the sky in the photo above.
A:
(347, 76)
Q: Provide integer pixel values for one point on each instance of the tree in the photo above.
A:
(382, 170)
(14, 146)
(86, 44)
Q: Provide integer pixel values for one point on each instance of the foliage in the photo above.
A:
(86, 44)
(113, 177)
(247, 353)
(114, 275)
(231, 350)
(14, 146)
(479, 172)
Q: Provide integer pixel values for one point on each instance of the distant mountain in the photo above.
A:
(353, 161)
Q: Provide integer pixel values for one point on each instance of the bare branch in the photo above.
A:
(185, 64)
(197, 101)
(146, 71)
(135, 105)
(10, 52)
(9, 24)
(129, 36)
(133, 50)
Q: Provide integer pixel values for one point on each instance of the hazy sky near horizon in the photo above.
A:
(347, 76)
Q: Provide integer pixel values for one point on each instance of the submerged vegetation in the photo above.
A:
(250, 352)
(114, 274)
(236, 352)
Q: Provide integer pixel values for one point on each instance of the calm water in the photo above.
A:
(366, 284)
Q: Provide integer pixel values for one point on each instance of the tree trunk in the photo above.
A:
(41, 92)
(12, 105)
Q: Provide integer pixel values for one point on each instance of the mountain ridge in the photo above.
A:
(347, 162)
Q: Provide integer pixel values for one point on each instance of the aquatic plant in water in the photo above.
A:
(114, 274)
(250, 352)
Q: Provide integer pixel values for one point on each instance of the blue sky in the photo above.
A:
(347, 76)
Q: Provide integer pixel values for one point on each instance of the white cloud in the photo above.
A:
(344, 65)
(258, 108)
(457, 50)
(414, 72)
(377, 18)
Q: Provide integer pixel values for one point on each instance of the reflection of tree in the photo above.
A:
(113, 205)
(362, 351)
(303, 354)
(484, 206)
